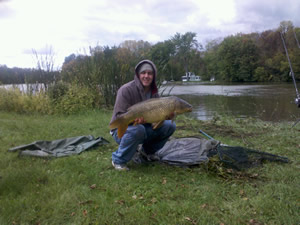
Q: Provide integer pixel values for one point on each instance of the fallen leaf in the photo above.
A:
(203, 206)
(242, 193)
(93, 186)
(73, 214)
(134, 196)
(120, 214)
(121, 202)
(191, 220)
(84, 212)
(164, 181)
(153, 200)
(254, 222)
(153, 215)
(254, 175)
(85, 202)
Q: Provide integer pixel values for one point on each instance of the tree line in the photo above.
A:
(254, 57)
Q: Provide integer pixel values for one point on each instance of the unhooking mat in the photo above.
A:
(59, 148)
(186, 151)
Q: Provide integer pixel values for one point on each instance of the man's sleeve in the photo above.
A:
(122, 102)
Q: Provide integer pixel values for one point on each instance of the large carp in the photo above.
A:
(154, 110)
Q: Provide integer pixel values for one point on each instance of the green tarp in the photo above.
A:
(59, 148)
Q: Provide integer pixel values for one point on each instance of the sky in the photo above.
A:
(63, 27)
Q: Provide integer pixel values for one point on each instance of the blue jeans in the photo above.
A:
(152, 140)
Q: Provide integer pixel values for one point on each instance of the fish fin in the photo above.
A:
(175, 114)
(114, 124)
(122, 129)
(157, 125)
(120, 124)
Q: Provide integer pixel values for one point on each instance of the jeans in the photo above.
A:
(152, 140)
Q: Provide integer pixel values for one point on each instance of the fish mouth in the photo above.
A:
(190, 109)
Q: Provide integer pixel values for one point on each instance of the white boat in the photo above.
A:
(189, 76)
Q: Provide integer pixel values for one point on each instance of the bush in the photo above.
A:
(57, 90)
(77, 98)
(13, 100)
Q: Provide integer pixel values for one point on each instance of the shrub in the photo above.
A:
(57, 90)
(13, 100)
(77, 98)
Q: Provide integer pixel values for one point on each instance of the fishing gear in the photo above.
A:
(241, 158)
(297, 99)
(296, 38)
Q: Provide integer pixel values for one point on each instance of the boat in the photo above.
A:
(189, 76)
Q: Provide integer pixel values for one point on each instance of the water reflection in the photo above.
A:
(266, 102)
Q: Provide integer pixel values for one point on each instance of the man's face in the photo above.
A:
(146, 78)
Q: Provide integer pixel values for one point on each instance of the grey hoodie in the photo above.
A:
(133, 92)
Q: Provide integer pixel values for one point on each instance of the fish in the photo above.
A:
(154, 110)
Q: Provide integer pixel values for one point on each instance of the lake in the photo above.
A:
(272, 102)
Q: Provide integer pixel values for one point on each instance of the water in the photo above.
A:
(273, 102)
(25, 88)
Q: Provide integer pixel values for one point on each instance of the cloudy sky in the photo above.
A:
(70, 26)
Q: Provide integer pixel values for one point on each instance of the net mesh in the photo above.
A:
(241, 158)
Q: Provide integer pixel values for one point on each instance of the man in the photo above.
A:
(143, 87)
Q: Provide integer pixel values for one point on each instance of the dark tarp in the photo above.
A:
(61, 147)
(186, 151)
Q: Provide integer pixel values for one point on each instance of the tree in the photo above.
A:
(138, 48)
(210, 60)
(161, 53)
(238, 56)
(45, 66)
(184, 45)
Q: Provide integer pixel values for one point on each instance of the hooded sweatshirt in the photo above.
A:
(133, 92)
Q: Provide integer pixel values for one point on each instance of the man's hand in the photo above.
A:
(139, 120)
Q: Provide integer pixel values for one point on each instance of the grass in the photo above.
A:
(85, 189)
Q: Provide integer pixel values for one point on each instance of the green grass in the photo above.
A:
(85, 189)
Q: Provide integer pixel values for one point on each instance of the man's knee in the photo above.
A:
(137, 131)
(170, 126)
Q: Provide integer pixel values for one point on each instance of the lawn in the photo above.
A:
(85, 189)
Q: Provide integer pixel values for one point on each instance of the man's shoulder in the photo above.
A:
(127, 86)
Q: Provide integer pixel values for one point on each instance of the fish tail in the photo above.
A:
(120, 124)
(122, 129)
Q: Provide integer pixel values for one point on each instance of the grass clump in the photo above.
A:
(85, 189)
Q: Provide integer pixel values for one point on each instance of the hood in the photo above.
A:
(153, 85)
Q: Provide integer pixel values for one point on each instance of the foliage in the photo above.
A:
(21, 76)
(184, 46)
(161, 53)
(13, 100)
(76, 99)
(85, 189)
(238, 56)
(60, 98)
(104, 71)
